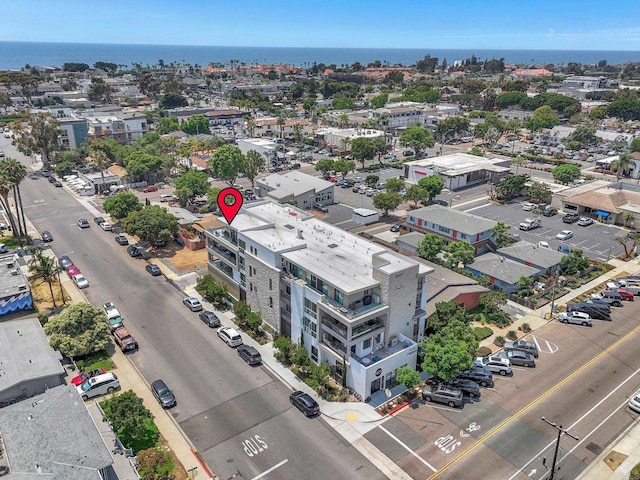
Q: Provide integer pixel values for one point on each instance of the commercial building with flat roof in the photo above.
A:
(352, 303)
(305, 190)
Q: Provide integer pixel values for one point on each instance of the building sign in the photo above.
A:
(378, 372)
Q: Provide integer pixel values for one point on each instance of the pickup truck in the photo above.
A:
(113, 316)
(124, 340)
(523, 346)
(530, 224)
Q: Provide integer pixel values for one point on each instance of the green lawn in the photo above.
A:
(97, 360)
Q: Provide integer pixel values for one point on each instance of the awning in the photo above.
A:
(600, 213)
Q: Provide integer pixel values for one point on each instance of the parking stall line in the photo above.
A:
(266, 472)
(403, 445)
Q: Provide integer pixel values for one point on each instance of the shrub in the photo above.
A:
(482, 332)
(635, 473)
(284, 346)
(154, 463)
(483, 352)
(525, 327)
(499, 341)
(512, 335)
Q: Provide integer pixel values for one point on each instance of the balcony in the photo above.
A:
(222, 253)
(222, 267)
(225, 237)
(334, 326)
(394, 346)
(366, 327)
(356, 309)
(338, 348)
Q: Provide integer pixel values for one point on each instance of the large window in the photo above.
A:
(338, 296)
(310, 308)
(310, 327)
(317, 284)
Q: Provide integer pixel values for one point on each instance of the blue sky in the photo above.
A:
(515, 24)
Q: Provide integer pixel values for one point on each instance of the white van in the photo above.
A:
(99, 385)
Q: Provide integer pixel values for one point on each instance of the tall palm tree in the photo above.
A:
(280, 123)
(101, 157)
(624, 164)
(16, 172)
(251, 126)
(5, 187)
(46, 269)
(628, 218)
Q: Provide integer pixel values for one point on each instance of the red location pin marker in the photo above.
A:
(229, 202)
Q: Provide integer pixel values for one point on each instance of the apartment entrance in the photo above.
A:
(376, 385)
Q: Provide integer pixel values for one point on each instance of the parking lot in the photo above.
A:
(597, 240)
(582, 380)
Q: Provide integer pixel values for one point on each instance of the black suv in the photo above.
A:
(209, 318)
(165, 397)
(599, 311)
(549, 211)
(135, 250)
(467, 386)
(249, 354)
(571, 218)
(303, 402)
(480, 375)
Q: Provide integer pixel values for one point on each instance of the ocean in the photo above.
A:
(15, 55)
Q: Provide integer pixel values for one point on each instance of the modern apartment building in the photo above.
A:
(352, 303)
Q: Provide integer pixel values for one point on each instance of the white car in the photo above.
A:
(585, 221)
(565, 235)
(80, 281)
(494, 364)
(577, 318)
(230, 336)
(106, 226)
(543, 244)
(527, 206)
(634, 402)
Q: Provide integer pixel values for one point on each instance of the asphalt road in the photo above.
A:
(222, 402)
(583, 380)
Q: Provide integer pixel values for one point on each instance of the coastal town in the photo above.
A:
(429, 270)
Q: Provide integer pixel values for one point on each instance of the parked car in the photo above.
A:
(65, 262)
(83, 223)
(395, 227)
(163, 394)
(121, 240)
(192, 303)
(576, 318)
(153, 269)
(495, 364)
(98, 220)
(466, 386)
(46, 236)
(564, 235)
(114, 318)
(523, 346)
(585, 221)
(106, 226)
(303, 402)
(149, 189)
(480, 375)
(599, 311)
(443, 394)
(518, 357)
(614, 298)
(230, 336)
(634, 402)
(135, 250)
(543, 244)
(80, 281)
(209, 318)
(407, 153)
(72, 270)
(99, 385)
(571, 218)
(57, 184)
(84, 376)
(528, 206)
(124, 340)
(249, 354)
(321, 208)
(549, 211)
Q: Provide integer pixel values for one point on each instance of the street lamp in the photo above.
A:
(555, 453)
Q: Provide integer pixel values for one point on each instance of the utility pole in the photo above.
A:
(555, 453)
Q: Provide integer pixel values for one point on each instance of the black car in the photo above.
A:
(57, 184)
(303, 402)
(395, 227)
(599, 311)
(46, 236)
(121, 240)
(249, 354)
(480, 375)
(65, 262)
(209, 318)
(549, 212)
(135, 250)
(165, 397)
(153, 269)
(571, 218)
(355, 189)
(51, 179)
(467, 386)
(98, 220)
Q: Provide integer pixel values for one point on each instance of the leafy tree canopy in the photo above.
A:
(574, 262)
(196, 124)
(408, 376)
(196, 182)
(459, 252)
(79, 330)
(417, 137)
(450, 350)
(151, 223)
(430, 246)
(386, 202)
(226, 162)
(432, 185)
(566, 173)
(122, 204)
(212, 291)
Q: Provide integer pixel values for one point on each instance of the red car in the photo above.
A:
(73, 270)
(150, 188)
(625, 294)
(80, 379)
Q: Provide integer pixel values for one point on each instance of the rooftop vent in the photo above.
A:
(300, 234)
(290, 227)
(333, 245)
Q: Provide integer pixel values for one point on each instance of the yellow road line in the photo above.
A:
(533, 403)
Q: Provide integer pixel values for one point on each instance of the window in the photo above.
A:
(310, 308)
(270, 284)
(242, 244)
(444, 229)
(314, 353)
(338, 296)
(270, 302)
(250, 287)
(310, 327)
(366, 344)
(390, 379)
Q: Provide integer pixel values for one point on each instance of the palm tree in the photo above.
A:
(251, 126)
(280, 123)
(5, 187)
(101, 157)
(46, 269)
(624, 164)
(343, 120)
(628, 218)
(16, 172)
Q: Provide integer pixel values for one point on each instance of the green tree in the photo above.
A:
(499, 232)
(459, 252)
(566, 173)
(80, 329)
(510, 186)
(539, 192)
(343, 166)
(42, 137)
(122, 204)
(386, 202)
(623, 165)
(214, 292)
(394, 185)
(140, 164)
(325, 166)
(131, 420)
(380, 100)
(99, 91)
(227, 162)
(155, 464)
(167, 125)
(371, 180)
(362, 149)
(101, 156)
(151, 223)
(15, 172)
(450, 350)
(285, 347)
(194, 182)
(432, 185)
(241, 310)
(173, 100)
(492, 301)
(635, 145)
(196, 125)
(46, 269)
(430, 246)
(254, 321)
(542, 117)
(300, 356)
(477, 151)
(418, 138)
(252, 165)
(416, 193)
(451, 126)
(446, 312)
(407, 376)
(574, 262)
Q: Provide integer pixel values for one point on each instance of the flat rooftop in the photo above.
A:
(459, 164)
(344, 260)
(12, 280)
(292, 183)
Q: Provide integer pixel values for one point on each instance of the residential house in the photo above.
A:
(453, 226)
(458, 170)
(52, 436)
(15, 293)
(225, 116)
(503, 273)
(265, 147)
(28, 364)
(352, 303)
(305, 190)
(268, 127)
(545, 260)
(396, 116)
(124, 127)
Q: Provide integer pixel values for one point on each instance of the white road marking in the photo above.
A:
(551, 346)
(477, 208)
(266, 472)
(405, 447)
(572, 426)
(36, 205)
